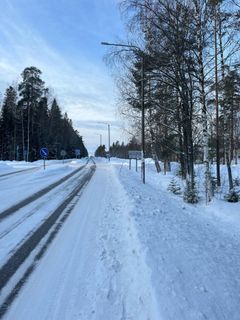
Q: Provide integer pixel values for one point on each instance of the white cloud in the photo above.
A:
(84, 89)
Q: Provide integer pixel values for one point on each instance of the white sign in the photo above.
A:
(134, 154)
(63, 153)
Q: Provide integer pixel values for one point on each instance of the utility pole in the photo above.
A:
(109, 141)
(143, 116)
(28, 129)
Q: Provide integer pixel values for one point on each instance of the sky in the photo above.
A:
(62, 38)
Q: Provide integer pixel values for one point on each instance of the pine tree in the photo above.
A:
(42, 125)
(101, 152)
(55, 130)
(30, 91)
(8, 125)
(174, 186)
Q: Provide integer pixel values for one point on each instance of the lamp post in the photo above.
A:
(108, 125)
(135, 48)
(100, 138)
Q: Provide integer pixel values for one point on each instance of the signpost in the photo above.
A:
(44, 154)
(25, 154)
(134, 154)
(63, 154)
(17, 152)
(77, 153)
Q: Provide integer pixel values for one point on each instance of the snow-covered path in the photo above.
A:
(193, 255)
(95, 268)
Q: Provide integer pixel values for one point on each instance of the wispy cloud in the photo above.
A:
(84, 89)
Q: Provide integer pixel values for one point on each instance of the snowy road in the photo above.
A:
(25, 234)
(23, 221)
(95, 267)
(18, 186)
(134, 252)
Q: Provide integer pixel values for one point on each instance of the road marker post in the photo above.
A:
(134, 154)
(63, 154)
(44, 154)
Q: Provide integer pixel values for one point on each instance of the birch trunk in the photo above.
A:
(226, 112)
(216, 97)
(205, 135)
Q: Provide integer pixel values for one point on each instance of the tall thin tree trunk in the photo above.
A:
(153, 151)
(152, 134)
(232, 131)
(216, 98)
(23, 135)
(226, 112)
(14, 134)
(180, 140)
(28, 130)
(207, 173)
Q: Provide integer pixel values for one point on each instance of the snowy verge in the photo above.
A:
(192, 252)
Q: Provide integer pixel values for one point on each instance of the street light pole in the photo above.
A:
(109, 142)
(100, 138)
(132, 47)
(143, 122)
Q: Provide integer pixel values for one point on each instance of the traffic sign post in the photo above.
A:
(134, 154)
(77, 153)
(63, 154)
(44, 154)
(25, 154)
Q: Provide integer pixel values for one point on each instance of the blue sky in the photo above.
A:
(62, 38)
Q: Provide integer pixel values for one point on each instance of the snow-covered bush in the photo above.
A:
(232, 196)
(174, 186)
(214, 185)
(190, 194)
(236, 182)
(179, 172)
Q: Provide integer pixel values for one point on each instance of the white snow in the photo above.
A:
(192, 251)
(95, 268)
(17, 187)
(134, 251)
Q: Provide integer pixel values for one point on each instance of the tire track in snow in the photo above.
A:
(6, 213)
(30, 244)
(21, 220)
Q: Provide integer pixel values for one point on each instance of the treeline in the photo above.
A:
(118, 150)
(183, 62)
(31, 119)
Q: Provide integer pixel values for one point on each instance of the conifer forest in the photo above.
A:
(31, 119)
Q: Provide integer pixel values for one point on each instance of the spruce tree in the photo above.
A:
(30, 91)
(55, 129)
(8, 125)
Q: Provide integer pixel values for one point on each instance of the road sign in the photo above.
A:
(63, 153)
(134, 154)
(44, 152)
(77, 152)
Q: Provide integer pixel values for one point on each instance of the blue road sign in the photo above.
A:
(44, 152)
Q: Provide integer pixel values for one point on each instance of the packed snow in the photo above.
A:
(134, 251)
